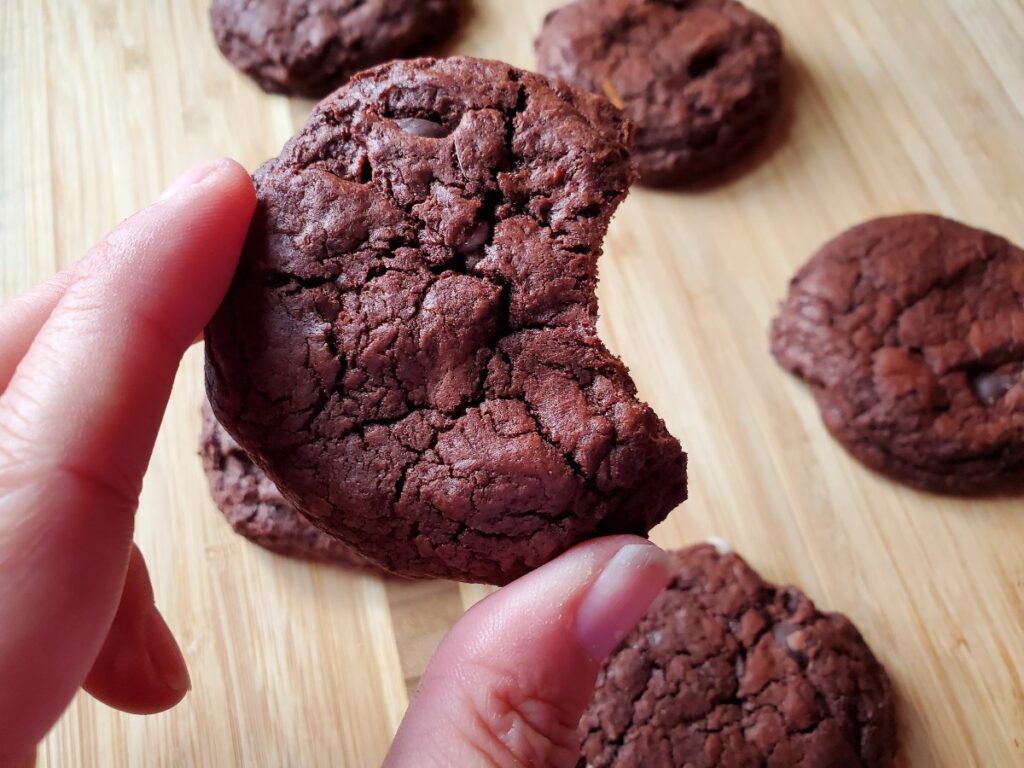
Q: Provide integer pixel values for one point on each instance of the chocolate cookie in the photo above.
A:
(409, 347)
(729, 671)
(910, 331)
(699, 78)
(257, 510)
(310, 47)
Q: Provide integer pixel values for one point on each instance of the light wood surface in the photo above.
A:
(893, 105)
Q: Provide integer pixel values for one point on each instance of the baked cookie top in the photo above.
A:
(910, 332)
(409, 347)
(729, 671)
(310, 47)
(699, 78)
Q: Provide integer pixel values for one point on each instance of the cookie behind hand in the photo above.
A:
(409, 348)
(256, 510)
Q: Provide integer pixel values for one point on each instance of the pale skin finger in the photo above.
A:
(77, 425)
(20, 321)
(509, 683)
(140, 668)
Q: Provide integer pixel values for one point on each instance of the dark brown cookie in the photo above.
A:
(256, 509)
(699, 78)
(310, 47)
(910, 331)
(409, 348)
(729, 671)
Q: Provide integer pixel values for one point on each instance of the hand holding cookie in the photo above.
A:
(86, 366)
(85, 372)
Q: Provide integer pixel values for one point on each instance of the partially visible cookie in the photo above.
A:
(255, 508)
(409, 348)
(310, 47)
(729, 671)
(910, 332)
(700, 79)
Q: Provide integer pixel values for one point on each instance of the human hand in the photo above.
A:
(510, 681)
(87, 361)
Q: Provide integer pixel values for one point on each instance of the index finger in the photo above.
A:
(77, 426)
(22, 317)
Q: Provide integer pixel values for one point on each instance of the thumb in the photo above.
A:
(509, 683)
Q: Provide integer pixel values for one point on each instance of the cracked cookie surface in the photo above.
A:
(310, 47)
(256, 510)
(409, 347)
(729, 671)
(910, 332)
(699, 78)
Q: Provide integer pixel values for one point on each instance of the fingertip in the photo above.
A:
(216, 198)
(140, 668)
(144, 674)
(230, 176)
(180, 254)
(223, 173)
(168, 661)
(141, 678)
(599, 579)
(620, 596)
(520, 666)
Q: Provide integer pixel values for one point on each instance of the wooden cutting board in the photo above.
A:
(892, 105)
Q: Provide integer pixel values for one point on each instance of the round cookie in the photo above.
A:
(700, 79)
(910, 332)
(310, 47)
(409, 348)
(255, 508)
(729, 671)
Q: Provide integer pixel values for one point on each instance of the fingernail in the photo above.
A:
(190, 178)
(620, 597)
(164, 654)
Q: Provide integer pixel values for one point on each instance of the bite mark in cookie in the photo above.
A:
(409, 348)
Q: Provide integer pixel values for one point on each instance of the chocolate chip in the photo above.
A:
(704, 62)
(425, 129)
(476, 240)
(793, 641)
(792, 600)
(992, 387)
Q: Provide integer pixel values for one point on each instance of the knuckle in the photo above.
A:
(16, 446)
(523, 729)
(158, 333)
(25, 461)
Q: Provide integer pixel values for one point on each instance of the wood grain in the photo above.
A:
(893, 106)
